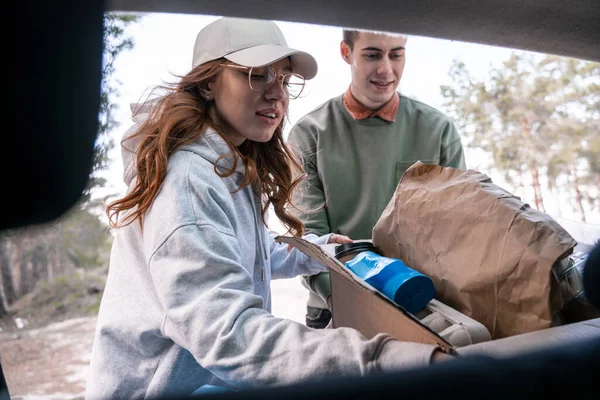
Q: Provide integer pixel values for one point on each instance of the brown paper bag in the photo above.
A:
(488, 253)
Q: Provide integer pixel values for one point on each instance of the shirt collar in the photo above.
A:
(358, 111)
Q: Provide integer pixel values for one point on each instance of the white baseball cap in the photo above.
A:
(251, 43)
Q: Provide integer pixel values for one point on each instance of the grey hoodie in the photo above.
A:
(187, 299)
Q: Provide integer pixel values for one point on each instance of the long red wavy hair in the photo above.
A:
(179, 117)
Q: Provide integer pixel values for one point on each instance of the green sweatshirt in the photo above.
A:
(354, 166)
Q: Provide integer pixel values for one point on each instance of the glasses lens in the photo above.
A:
(294, 84)
(260, 78)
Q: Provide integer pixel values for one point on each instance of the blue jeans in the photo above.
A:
(209, 389)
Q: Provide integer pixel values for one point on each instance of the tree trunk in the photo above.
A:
(533, 170)
(57, 259)
(578, 195)
(537, 189)
(3, 305)
(36, 273)
(7, 289)
(49, 267)
(20, 272)
(29, 281)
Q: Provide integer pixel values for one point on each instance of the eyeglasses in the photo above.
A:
(259, 78)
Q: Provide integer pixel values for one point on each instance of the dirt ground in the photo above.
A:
(51, 362)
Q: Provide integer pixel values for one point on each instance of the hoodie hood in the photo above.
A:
(139, 113)
(210, 145)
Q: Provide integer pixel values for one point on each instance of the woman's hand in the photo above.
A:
(439, 356)
(335, 238)
(340, 239)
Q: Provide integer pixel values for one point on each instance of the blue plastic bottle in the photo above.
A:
(401, 284)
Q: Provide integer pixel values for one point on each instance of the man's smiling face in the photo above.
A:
(377, 62)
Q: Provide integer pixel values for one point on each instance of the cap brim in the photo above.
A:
(266, 54)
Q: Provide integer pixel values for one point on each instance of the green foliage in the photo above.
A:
(533, 114)
(115, 41)
(67, 296)
(86, 239)
(93, 308)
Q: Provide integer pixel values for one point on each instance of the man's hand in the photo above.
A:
(340, 239)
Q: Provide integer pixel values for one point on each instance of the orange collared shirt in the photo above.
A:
(358, 111)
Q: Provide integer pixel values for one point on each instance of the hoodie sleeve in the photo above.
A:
(286, 263)
(211, 311)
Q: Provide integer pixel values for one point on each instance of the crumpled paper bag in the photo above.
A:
(488, 253)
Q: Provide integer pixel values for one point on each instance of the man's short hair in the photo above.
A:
(350, 36)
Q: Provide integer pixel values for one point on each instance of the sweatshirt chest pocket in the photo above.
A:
(402, 166)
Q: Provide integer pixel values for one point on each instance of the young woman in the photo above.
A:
(187, 299)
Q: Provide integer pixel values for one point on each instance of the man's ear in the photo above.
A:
(345, 52)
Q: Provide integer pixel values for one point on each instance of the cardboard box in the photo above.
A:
(358, 305)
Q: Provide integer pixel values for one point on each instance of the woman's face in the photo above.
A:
(244, 113)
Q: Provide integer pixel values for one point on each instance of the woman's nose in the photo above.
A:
(276, 90)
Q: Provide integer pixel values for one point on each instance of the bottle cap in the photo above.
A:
(354, 247)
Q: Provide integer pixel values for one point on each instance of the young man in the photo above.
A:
(356, 147)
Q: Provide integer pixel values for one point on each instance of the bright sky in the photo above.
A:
(164, 43)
